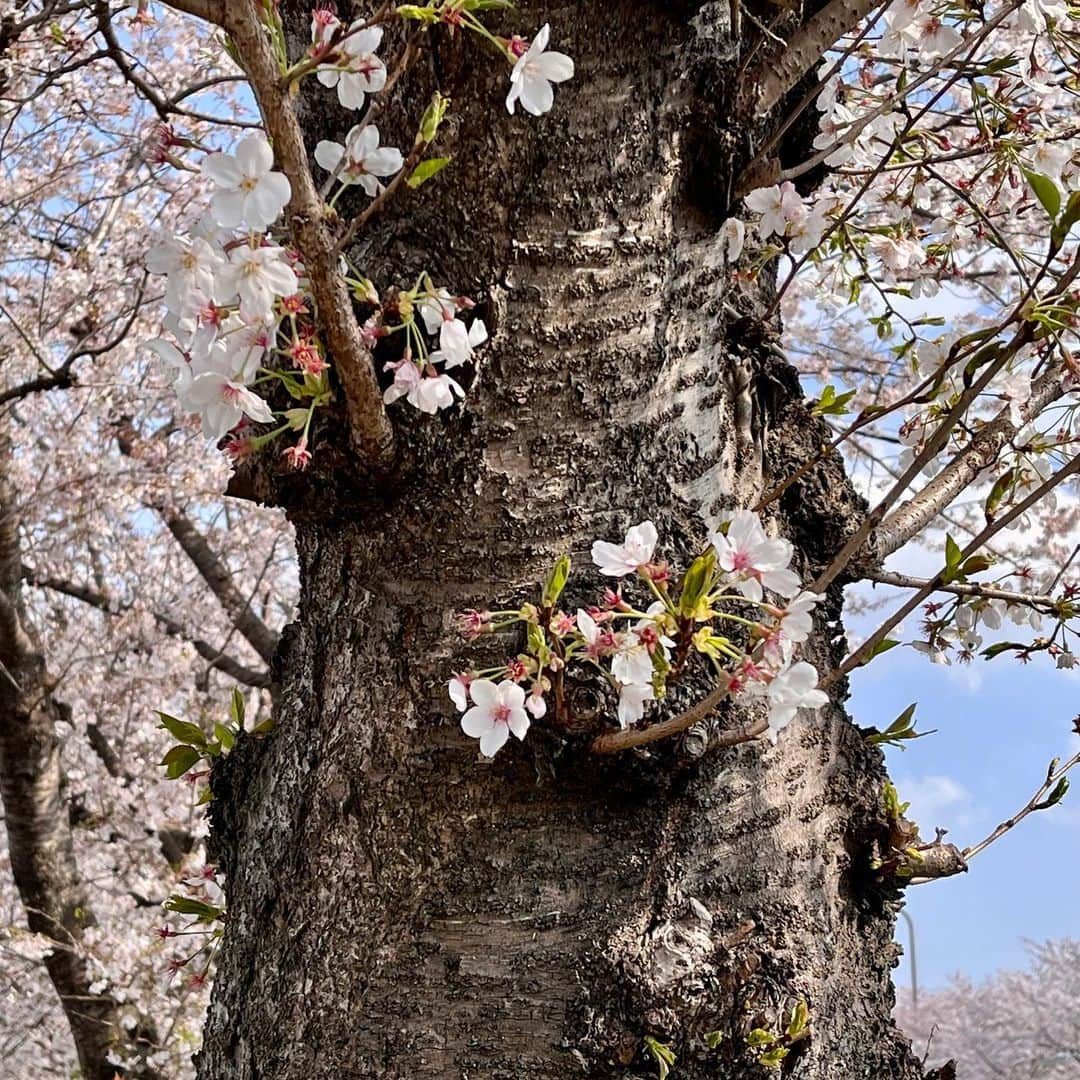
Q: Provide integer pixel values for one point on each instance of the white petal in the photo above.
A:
(518, 723)
(328, 154)
(485, 693)
(223, 170)
(254, 156)
(227, 206)
(555, 67)
(477, 722)
(537, 97)
(491, 742)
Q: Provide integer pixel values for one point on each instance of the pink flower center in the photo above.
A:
(501, 714)
(741, 561)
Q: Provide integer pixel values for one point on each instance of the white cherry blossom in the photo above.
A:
(793, 689)
(533, 74)
(632, 700)
(753, 559)
(498, 712)
(247, 190)
(618, 560)
(257, 275)
(357, 70)
(365, 160)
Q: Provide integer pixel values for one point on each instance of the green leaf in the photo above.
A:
(237, 708)
(772, 1058)
(179, 759)
(426, 170)
(1002, 646)
(182, 730)
(1056, 795)
(1046, 191)
(432, 118)
(417, 12)
(662, 1054)
(976, 564)
(1002, 486)
(264, 727)
(696, 583)
(800, 1015)
(185, 905)
(713, 1039)
(760, 1037)
(1067, 220)
(556, 581)
(900, 730)
(224, 736)
(831, 403)
(953, 557)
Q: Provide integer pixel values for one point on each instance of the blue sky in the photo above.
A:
(998, 725)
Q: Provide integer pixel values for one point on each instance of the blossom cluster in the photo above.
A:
(739, 609)
(239, 311)
(1045, 608)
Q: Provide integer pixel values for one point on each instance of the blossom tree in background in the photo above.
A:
(487, 300)
(129, 585)
(1018, 1023)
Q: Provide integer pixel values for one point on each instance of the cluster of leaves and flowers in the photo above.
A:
(241, 314)
(950, 134)
(739, 608)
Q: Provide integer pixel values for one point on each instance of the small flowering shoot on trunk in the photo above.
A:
(245, 334)
(738, 611)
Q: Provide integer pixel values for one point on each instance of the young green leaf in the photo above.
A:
(662, 1054)
(182, 730)
(426, 170)
(179, 759)
(1046, 191)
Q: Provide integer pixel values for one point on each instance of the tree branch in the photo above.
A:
(910, 518)
(957, 588)
(227, 665)
(369, 423)
(775, 75)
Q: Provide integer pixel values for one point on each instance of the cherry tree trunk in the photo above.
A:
(400, 908)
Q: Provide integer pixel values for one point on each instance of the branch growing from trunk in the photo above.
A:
(369, 424)
(912, 517)
(776, 75)
(865, 651)
(616, 741)
(964, 588)
(1050, 793)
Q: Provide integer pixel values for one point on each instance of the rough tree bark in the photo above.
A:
(399, 909)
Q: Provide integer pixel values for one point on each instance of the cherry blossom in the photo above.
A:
(618, 560)
(498, 711)
(257, 275)
(535, 71)
(221, 401)
(365, 160)
(247, 190)
(792, 689)
(356, 71)
(753, 559)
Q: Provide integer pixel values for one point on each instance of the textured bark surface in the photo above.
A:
(400, 909)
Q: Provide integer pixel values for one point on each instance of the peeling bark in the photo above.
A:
(396, 907)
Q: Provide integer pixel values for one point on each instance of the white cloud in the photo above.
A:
(937, 801)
